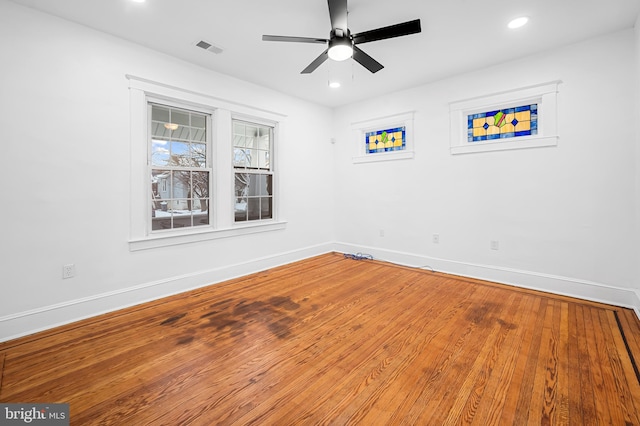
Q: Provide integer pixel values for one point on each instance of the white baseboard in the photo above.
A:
(33, 321)
(28, 322)
(565, 286)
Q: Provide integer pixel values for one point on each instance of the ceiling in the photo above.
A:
(457, 36)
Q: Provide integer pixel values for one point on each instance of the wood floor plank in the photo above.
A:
(526, 371)
(581, 402)
(330, 340)
(490, 408)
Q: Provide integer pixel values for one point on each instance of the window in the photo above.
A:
(253, 172)
(386, 140)
(183, 184)
(504, 123)
(515, 119)
(383, 139)
(180, 167)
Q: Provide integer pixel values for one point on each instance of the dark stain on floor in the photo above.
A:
(172, 319)
(234, 317)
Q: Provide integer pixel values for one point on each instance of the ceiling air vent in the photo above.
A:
(210, 47)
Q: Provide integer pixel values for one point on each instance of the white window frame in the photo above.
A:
(545, 95)
(360, 128)
(272, 166)
(222, 225)
(210, 114)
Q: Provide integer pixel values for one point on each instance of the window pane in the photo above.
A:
(254, 185)
(158, 223)
(198, 135)
(160, 113)
(201, 212)
(159, 131)
(252, 158)
(179, 150)
(181, 133)
(161, 185)
(199, 154)
(198, 121)
(258, 184)
(253, 209)
(241, 185)
(181, 184)
(241, 157)
(200, 184)
(180, 117)
(239, 141)
(266, 207)
(181, 212)
(238, 128)
(263, 142)
(241, 209)
(267, 187)
(159, 152)
(263, 160)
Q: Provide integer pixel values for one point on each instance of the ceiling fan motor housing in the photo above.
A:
(340, 44)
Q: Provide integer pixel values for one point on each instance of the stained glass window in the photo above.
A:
(503, 123)
(386, 140)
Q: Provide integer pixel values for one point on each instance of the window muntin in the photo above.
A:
(253, 173)
(180, 168)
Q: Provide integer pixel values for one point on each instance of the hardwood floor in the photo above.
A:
(331, 340)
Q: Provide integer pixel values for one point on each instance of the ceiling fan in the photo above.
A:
(343, 45)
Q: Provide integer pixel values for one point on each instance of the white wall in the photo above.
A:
(564, 216)
(65, 119)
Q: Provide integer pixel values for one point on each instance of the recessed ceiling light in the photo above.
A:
(138, 1)
(334, 84)
(518, 22)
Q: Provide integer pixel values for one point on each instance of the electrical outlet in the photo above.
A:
(436, 239)
(495, 245)
(382, 232)
(68, 271)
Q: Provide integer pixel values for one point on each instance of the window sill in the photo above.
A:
(383, 156)
(504, 144)
(171, 239)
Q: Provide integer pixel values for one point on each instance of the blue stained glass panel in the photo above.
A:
(504, 123)
(393, 139)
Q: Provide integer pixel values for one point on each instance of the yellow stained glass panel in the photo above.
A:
(479, 131)
(493, 130)
(523, 125)
(508, 128)
(523, 116)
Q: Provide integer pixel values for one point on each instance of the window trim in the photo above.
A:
(271, 171)
(360, 128)
(545, 95)
(210, 120)
(140, 237)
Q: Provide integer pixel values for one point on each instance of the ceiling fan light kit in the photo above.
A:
(341, 45)
(340, 49)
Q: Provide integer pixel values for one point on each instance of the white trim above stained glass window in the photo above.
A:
(521, 118)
